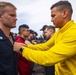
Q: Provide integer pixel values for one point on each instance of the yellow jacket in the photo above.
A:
(60, 51)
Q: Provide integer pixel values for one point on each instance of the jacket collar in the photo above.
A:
(2, 35)
(66, 26)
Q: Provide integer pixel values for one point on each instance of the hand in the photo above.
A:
(34, 42)
(27, 42)
(17, 46)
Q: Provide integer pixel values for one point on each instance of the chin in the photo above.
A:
(13, 27)
(56, 26)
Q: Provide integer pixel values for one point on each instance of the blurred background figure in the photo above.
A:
(48, 32)
(31, 36)
(42, 37)
(24, 66)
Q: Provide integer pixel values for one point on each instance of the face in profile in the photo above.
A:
(57, 17)
(26, 32)
(48, 33)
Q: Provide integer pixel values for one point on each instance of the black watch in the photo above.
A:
(21, 49)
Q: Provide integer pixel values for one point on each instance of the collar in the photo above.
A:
(2, 35)
(22, 38)
(66, 26)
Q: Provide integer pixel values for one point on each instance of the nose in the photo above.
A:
(16, 19)
(51, 19)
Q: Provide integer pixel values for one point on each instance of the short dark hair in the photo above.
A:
(22, 27)
(51, 27)
(31, 31)
(63, 5)
(44, 27)
(36, 33)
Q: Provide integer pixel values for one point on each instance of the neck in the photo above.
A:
(5, 30)
(23, 37)
(67, 20)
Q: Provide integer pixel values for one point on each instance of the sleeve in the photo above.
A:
(42, 46)
(63, 50)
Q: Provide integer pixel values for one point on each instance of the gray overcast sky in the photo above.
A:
(35, 13)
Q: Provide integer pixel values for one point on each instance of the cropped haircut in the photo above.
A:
(51, 27)
(3, 5)
(22, 27)
(62, 6)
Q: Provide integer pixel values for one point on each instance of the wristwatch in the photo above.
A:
(21, 49)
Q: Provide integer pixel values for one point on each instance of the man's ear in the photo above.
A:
(65, 13)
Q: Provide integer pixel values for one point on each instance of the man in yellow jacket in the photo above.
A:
(60, 50)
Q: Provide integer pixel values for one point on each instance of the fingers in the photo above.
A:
(17, 46)
(27, 42)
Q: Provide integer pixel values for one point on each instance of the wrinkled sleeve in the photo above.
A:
(42, 46)
(63, 50)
